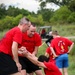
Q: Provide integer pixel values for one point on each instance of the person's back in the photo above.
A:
(60, 48)
(51, 69)
(6, 42)
(61, 45)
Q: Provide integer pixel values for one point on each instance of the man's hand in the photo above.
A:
(20, 51)
(19, 66)
(25, 53)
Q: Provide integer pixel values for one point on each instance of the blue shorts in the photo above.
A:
(62, 61)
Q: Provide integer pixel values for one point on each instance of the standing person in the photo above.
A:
(49, 67)
(59, 47)
(9, 62)
(43, 33)
(32, 41)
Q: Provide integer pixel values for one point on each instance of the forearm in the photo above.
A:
(15, 52)
(52, 50)
(31, 57)
(15, 55)
(70, 48)
(35, 51)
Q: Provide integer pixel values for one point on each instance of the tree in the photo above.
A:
(71, 6)
(61, 15)
(46, 14)
(2, 10)
(57, 2)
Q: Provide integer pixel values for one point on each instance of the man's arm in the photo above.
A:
(15, 55)
(51, 48)
(35, 51)
(70, 47)
(46, 54)
(33, 59)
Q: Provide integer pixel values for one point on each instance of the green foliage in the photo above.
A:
(46, 14)
(2, 33)
(71, 69)
(57, 2)
(71, 5)
(65, 30)
(71, 18)
(6, 23)
(2, 11)
(9, 22)
(12, 11)
(38, 20)
(61, 15)
(16, 20)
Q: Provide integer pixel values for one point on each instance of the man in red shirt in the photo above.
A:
(32, 41)
(9, 62)
(59, 47)
(49, 67)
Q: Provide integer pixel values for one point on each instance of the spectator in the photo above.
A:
(43, 33)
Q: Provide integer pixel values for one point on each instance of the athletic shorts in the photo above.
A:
(62, 61)
(28, 65)
(7, 65)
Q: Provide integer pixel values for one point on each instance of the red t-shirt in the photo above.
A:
(31, 42)
(60, 45)
(6, 42)
(51, 69)
(50, 54)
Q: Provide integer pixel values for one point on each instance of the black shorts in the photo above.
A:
(28, 65)
(7, 65)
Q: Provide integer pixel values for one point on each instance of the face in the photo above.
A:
(26, 27)
(31, 31)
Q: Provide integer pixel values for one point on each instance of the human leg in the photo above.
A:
(38, 72)
(18, 73)
(65, 71)
(23, 63)
(31, 68)
(23, 72)
(62, 63)
(65, 65)
(7, 65)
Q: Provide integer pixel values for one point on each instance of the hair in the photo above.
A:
(33, 24)
(24, 20)
(55, 33)
(43, 58)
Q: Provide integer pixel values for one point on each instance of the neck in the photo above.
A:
(20, 27)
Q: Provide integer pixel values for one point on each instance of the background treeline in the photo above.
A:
(9, 17)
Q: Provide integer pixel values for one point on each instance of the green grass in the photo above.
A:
(65, 30)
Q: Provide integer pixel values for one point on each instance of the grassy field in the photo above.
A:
(64, 30)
